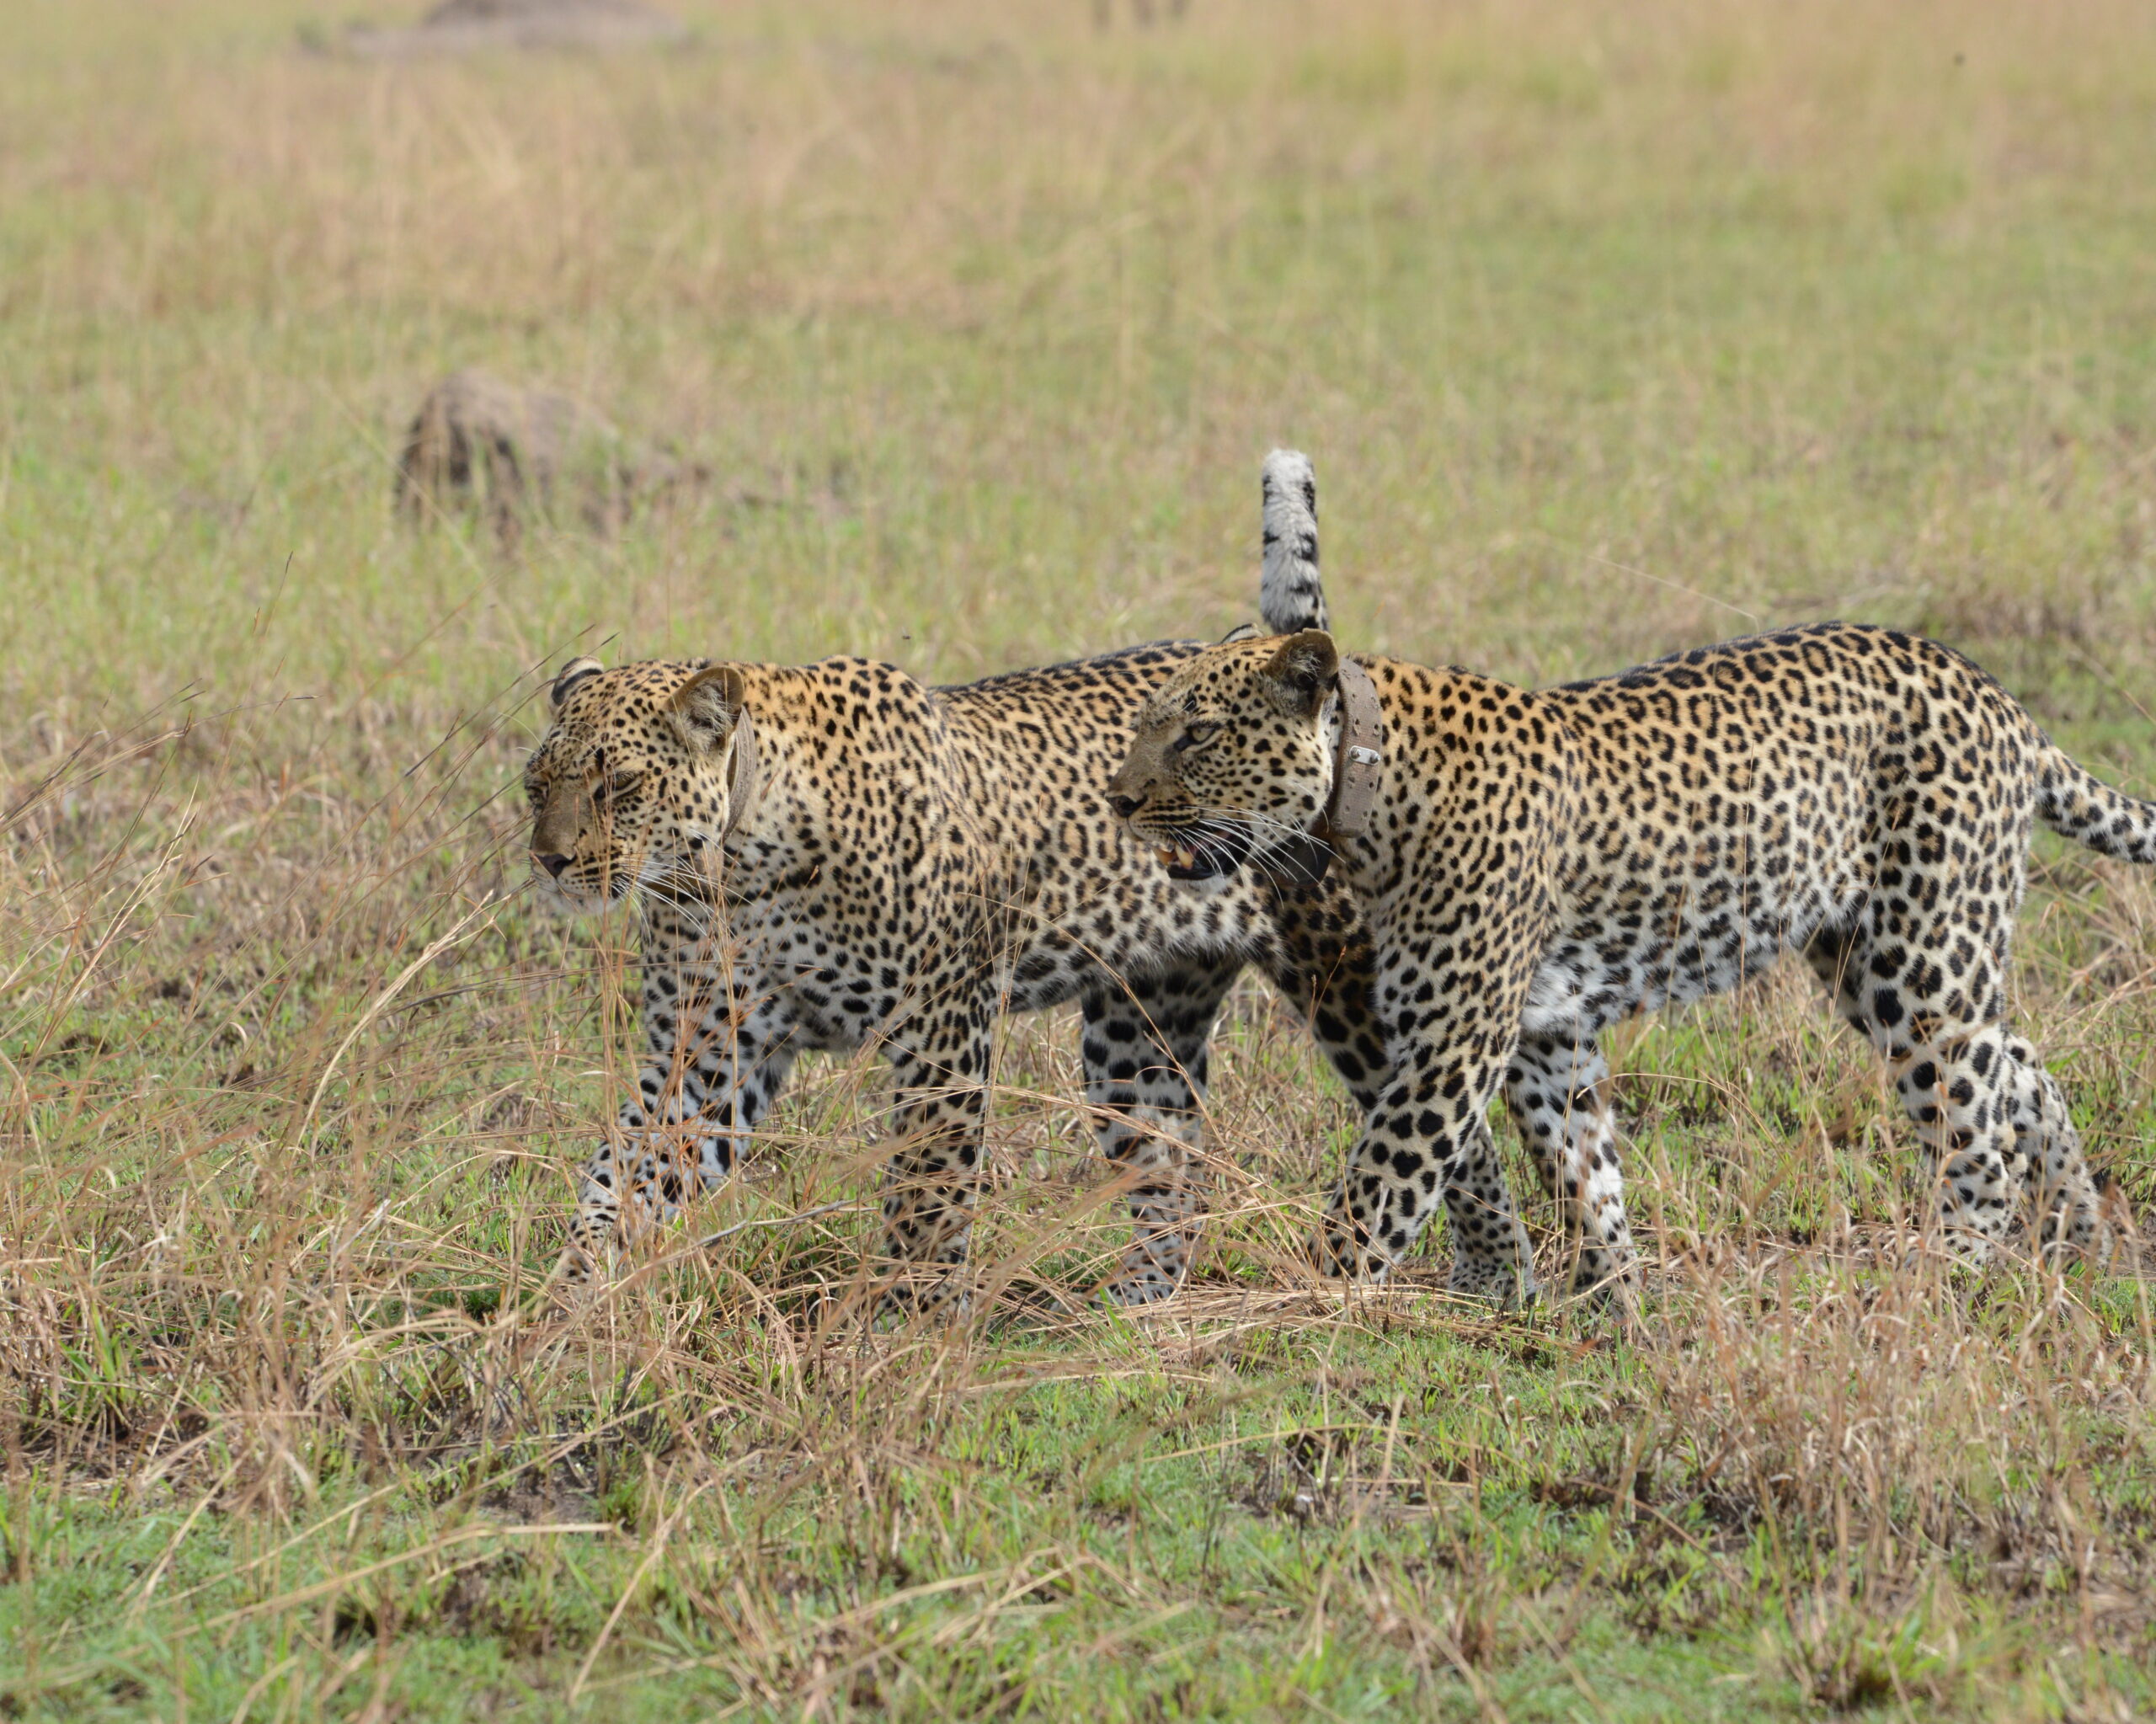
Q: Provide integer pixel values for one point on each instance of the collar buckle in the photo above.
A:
(1361, 765)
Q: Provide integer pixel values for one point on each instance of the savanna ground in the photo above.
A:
(1611, 329)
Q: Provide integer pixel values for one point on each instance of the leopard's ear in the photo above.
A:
(1304, 670)
(706, 706)
(572, 673)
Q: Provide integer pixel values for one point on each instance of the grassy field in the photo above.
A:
(1610, 329)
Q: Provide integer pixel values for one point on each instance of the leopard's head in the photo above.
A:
(634, 783)
(1229, 759)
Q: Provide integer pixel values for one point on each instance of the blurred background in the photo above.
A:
(1610, 330)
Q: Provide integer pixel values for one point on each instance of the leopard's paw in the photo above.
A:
(1148, 1286)
(1507, 1282)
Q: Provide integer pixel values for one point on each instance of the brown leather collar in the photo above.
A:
(741, 786)
(1361, 761)
(1356, 772)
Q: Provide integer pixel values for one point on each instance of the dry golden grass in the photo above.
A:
(1609, 330)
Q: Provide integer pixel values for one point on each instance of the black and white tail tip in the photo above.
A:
(1290, 596)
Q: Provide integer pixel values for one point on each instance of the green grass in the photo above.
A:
(1609, 332)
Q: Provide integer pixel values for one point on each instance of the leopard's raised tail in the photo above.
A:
(1290, 596)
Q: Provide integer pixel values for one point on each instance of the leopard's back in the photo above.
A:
(1029, 753)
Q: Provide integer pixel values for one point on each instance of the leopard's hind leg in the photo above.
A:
(1940, 1032)
(2068, 1215)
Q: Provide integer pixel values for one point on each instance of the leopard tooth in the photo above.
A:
(1165, 856)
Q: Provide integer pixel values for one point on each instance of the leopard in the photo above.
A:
(1539, 865)
(836, 855)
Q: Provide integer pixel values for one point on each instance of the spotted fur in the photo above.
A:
(912, 860)
(1542, 864)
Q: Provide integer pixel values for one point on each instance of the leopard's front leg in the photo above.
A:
(1454, 964)
(1428, 1140)
(1326, 964)
(712, 1069)
(933, 1177)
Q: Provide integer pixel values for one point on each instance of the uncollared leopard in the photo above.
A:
(833, 856)
(1540, 864)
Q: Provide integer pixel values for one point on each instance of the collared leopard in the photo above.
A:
(832, 855)
(1542, 864)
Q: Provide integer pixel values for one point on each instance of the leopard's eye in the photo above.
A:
(612, 791)
(1196, 735)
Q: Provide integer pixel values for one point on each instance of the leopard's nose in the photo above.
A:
(552, 864)
(1122, 807)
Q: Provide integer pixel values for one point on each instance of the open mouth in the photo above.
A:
(1204, 858)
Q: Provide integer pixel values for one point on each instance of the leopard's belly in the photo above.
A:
(1703, 926)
